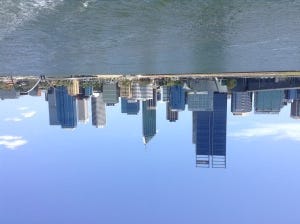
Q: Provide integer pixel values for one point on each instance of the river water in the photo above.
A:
(148, 36)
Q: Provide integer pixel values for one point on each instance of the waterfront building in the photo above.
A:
(110, 93)
(98, 111)
(125, 89)
(200, 101)
(130, 107)
(165, 93)
(209, 133)
(142, 91)
(241, 102)
(83, 111)
(177, 98)
(171, 116)
(270, 101)
(73, 88)
(66, 108)
(52, 107)
(295, 109)
(149, 122)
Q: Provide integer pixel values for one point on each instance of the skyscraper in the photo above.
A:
(151, 103)
(130, 106)
(177, 98)
(98, 111)
(270, 101)
(200, 101)
(171, 116)
(66, 108)
(83, 111)
(241, 102)
(142, 91)
(125, 89)
(165, 93)
(110, 93)
(73, 88)
(295, 109)
(52, 107)
(209, 133)
(149, 123)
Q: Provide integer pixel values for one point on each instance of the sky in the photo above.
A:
(89, 175)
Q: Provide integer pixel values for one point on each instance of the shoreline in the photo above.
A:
(157, 76)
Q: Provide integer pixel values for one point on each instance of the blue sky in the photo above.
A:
(91, 175)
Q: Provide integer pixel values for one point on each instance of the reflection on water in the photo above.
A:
(72, 100)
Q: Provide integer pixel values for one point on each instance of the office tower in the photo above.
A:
(130, 106)
(295, 109)
(73, 88)
(151, 103)
(98, 111)
(270, 101)
(171, 116)
(87, 91)
(209, 133)
(158, 94)
(203, 85)
(200, 101)
(83, 111)
(165, 93)
(9, 94)
(241, 102)
(149, 123)
(142, 91)
(125, 89)
(66, 108)
(110, 93)
(177, 98)
(52, 107)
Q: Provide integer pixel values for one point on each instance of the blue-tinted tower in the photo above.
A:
(149, 123)
(66, 108)
(177, 98)
(130, 107)
(209, 129)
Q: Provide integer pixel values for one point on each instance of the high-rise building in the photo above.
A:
(295, 109)
(152, 103)
(149, 123)
(165, 93)
(241, 102)
(270, 101)
(130, 106)
(52, 107)
(98, 111)
(66, 108)
(177, 98)
(83, 111)
(209, 133)
(141, 91)
(125, 89)
(110, 93)
(200, 101)
(87, 91)
(172, 116)
(73, 88)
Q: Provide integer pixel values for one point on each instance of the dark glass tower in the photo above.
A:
(209, 129)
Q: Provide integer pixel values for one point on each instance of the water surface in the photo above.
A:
(157, 36)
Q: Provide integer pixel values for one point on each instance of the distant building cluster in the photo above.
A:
(79, 101)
